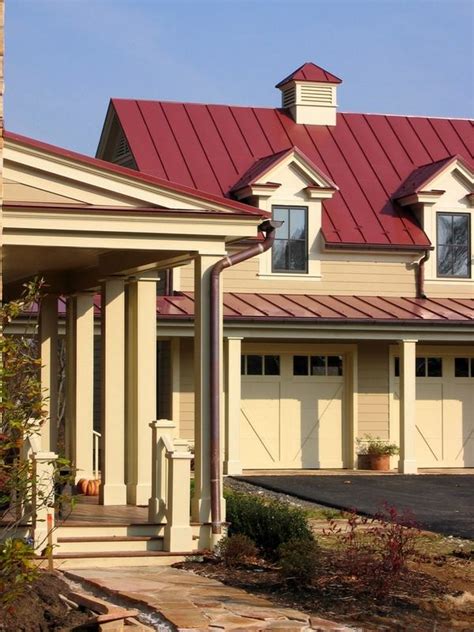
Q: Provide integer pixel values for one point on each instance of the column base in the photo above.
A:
(113, 494)
(232, 468)
(138, 495)
(201, 510)
(178, 539)
(407, 466)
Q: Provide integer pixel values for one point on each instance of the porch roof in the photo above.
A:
(290, 307)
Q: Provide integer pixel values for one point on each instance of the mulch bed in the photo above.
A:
(41, 609)
(417, 603)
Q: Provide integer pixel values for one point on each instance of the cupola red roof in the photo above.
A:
(310, 72)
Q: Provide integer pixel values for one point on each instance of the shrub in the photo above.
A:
(299, 559)
(268, 523)
(376, 551)
(237, 550)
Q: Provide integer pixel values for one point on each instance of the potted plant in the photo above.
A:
(374, 453)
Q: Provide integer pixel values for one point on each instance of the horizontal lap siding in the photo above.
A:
(373, 389)
(447, 290)
(186, 419)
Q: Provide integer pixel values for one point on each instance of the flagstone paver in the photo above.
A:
(193, 603)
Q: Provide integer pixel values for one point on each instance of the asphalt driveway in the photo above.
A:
(442, 503)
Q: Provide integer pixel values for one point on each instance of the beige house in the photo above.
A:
(359, 319)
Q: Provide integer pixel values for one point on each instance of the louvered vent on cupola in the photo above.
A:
(309, 94)
(122, 154)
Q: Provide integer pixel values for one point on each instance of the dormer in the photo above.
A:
(309, 94)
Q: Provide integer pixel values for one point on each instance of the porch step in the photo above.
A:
(98, 529)
(105, 544)
(64, 561)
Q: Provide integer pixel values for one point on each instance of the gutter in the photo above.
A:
(268, 228)
(420, 275)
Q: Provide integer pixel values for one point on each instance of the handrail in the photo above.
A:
(96, 436)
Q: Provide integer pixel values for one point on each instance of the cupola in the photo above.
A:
(309, 94)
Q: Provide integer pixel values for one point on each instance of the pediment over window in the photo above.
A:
(260, 179)
(426, 184)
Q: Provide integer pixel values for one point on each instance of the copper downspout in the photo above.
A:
(268, 227)
(420, 277)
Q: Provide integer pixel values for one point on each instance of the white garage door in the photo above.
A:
(444, 410)
(292, 411)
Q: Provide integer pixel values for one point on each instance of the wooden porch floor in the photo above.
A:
(88, 510)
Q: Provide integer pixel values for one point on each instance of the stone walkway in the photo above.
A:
(192, 603)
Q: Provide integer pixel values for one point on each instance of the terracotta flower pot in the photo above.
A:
(379, 462)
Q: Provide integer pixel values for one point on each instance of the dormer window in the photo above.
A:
(453, 245)
(290, 250)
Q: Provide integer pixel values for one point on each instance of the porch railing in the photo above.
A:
(95, 454)
(170, 493)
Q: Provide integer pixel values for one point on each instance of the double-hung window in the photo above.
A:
(453, 245)
(290, 250)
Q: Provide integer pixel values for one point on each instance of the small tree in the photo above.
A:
(22, 413)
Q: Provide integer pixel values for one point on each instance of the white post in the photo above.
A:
(201, 503)
(175, 381)
(141, 385)
(113, 490)
(82, 440)
(178, 531)
(43, 496)
(157, 502)
(232, 464)
(407, 462)
(48, 338)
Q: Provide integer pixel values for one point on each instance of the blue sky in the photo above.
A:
(66, 58)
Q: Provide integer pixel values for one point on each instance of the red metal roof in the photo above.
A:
(141, 176)
(368, 156)
(310, 72)
(421, 177)
(284, 307)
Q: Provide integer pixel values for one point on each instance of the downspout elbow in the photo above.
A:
(420, 275)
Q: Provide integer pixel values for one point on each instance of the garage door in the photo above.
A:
(444, 410)
(292, 411)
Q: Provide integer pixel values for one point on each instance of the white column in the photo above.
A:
(70, 412)
(113, 490)
(201, 504)
(232, 464)
(48, 337)
(407, 462)
(84, 385)
(141, 385)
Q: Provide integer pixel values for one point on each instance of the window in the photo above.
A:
(260, 365)
(463, 367)
(453, 245)
(290, 250)
(317, 365)
(425, 367)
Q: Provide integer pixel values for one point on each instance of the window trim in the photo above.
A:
(454, 276)
(306, 241)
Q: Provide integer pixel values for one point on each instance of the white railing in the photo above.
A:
(95, 454)
(170, 486)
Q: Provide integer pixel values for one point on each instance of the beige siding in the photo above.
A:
(186, 430)
(356, 276)
(15, 192)
(449, 289)
(373, 389)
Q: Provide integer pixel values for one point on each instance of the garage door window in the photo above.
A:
(317, 365)
(260, 365)
(463, 367)
(425, 367)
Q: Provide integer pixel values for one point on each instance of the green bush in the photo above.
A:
(299, 559)
(237, 550)
(268, 523)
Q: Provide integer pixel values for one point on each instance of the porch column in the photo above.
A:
(407, 462)
(201, 504)
(232, 464)
(82, 439)
(175, 350)
(141, 385)
(113, 490)
(48, 338)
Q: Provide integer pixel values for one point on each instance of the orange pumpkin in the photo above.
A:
(92, 488)
(81, 483)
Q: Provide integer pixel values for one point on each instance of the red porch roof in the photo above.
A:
(368, 156)
(315, 307)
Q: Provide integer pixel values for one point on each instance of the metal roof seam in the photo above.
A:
(424, 306)
(438, 136)
(254, 112)
(362, 189)
(231, 111)
(459, 136)
(410, 123)
(218, 132)
(377, 140)
(364, 299)
(178, 146)
(266, 297)
(151, 139)
(402, 145)
(456, 302)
